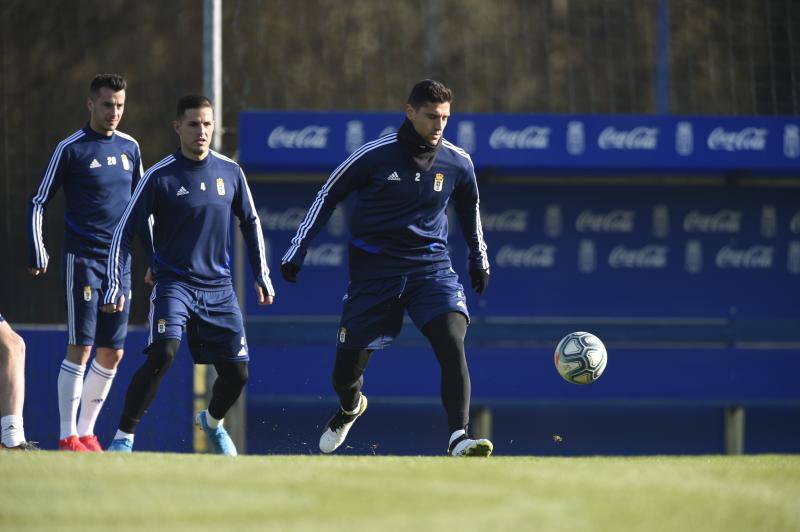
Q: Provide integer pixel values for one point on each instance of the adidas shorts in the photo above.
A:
(373, 310)
(86, 323)
(211, 318)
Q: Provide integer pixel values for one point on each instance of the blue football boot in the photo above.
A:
(121, 445)
(218, 437)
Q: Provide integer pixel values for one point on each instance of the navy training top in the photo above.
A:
(98, 174)
(191, 203)
(398, 223)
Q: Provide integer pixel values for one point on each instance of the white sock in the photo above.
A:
(95, 390)
(212, 422)
(13, 431)
(70, 386)
(455, 435)
(123, 436)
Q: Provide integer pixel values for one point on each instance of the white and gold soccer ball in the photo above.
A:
(580, 358)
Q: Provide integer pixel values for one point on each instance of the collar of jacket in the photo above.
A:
(421, 152)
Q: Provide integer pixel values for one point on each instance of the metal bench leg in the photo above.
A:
(734, 430)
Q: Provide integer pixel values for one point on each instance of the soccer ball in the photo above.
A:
(580, 358)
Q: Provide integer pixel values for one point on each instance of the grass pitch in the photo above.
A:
(151, 491)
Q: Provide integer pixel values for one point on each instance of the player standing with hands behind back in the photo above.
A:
(398, 258)
(191, 195)
(98, 167)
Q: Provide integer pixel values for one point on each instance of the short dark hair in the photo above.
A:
(115, 82)
(429, 91)
(192, 101)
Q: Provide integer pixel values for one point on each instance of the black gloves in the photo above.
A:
(289, 271)
(480, 280)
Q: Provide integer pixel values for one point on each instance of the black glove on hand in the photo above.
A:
(289, 271)
(480, 280)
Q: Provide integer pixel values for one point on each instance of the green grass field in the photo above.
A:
(152, 492)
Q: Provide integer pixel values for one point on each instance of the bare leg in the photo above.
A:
(79, 354)
(109, 358)
(12, 388)
(12, 371)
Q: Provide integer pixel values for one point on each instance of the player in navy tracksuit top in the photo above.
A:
(97, 166)
(399, 260)
(191, 195)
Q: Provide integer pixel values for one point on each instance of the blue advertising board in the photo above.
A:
(319, 141)
(323, 279)
(624, 251)
(568, 250)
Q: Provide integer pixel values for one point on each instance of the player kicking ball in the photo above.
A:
(399, 261)
(191, 195)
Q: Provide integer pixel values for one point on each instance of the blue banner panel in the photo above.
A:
(323, 279)
(615, 251)
(639, 251)
(168, 425)
(287, 142)
(714, 376)
(320, 141)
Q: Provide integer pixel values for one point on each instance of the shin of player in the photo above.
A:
(97, 166)
(191, 195)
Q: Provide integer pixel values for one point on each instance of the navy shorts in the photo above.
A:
(211, 318)
(86, 323)
(373, 310)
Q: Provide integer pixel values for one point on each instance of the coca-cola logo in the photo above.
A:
(616, 221)
(638, 138)
(538, 256)
(512, 220)
(530, 138)
(745, 258)
(747, 139)
(650, 256)
(310, 137)
(794, 223)
(288, 220)
(325, 255)
(724, 221)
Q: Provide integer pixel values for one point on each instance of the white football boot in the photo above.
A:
(465, 446)
(339, 425)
